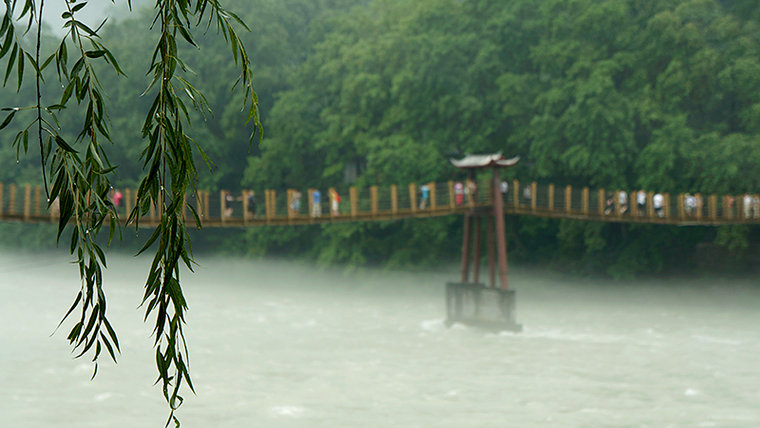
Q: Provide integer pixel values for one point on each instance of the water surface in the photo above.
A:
(279, 344)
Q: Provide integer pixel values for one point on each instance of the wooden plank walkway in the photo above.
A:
(24, 203)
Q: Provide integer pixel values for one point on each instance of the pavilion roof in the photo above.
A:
(485, 161)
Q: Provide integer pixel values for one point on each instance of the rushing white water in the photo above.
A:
(277, 344)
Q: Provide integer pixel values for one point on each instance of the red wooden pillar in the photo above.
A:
(491, 258)
(466, 248)
(501, 241)
(476, 255)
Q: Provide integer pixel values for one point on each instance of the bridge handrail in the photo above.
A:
(222, 208)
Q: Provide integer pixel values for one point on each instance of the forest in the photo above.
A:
(662, 95)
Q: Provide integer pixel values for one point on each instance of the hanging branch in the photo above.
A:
(79, 169)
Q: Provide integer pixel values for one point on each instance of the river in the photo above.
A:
(281, 344)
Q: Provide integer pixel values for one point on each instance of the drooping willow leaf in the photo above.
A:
(79, 169)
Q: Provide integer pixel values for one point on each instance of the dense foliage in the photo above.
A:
(655, 94)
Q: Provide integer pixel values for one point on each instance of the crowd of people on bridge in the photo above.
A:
(746, 206)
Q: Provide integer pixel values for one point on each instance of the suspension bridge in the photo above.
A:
(479, 198)
(283, 207)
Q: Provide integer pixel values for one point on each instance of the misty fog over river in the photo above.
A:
(282, 344)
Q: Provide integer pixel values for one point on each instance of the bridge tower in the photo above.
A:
(470, 301)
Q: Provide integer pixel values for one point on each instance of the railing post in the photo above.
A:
(373, 199)
(354, 197)
(37, 191)
(128, 201)
(568, 198)
(681, 206)
(1, 199)
(12, 199)
(550, 203)
(310, 202)
(206, 203)
(290, 197)
(452, 200)
(222, 207)
(700, 205)
(650, 204)
(413, 197)
(394, 199)
(616, 202)
(712, 207)
(516, 193)
(244, 197)
(666, 203)
(533, 195)
(273, 203)
(602, 201)
(584, 202)
(433, 203)
(27, 201)
(267, 204)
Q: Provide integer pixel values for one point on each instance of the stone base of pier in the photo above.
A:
(474, 304)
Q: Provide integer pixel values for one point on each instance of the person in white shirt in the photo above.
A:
(641, 201)
(747, 204)
(657, 203)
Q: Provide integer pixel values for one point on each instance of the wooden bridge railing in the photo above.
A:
(291, 206)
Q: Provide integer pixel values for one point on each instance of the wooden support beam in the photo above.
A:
(602, 201)
(466, 248)
(476, 256)
(533, 196)
(681, 206)
(491, 255)
(616, 201)
(650, 205)
(501, 237)
(568, 198)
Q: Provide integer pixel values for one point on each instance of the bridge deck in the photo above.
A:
(223, 209)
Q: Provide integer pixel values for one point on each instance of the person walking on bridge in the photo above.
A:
(658, 203)
(424, 196)
(641, 202)
(334, 202)
(316, 201)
